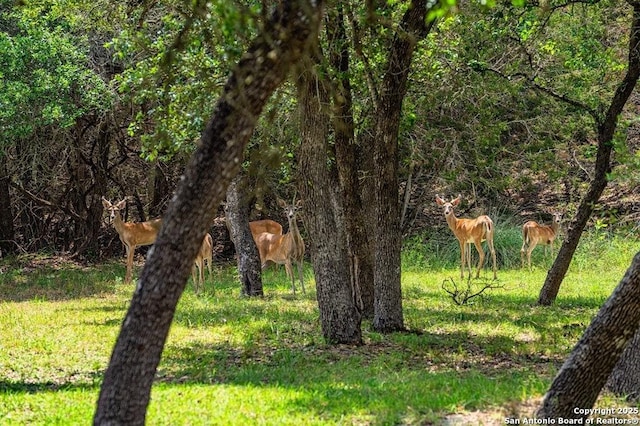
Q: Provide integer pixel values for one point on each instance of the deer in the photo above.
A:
(469, 231)
(136, 234)
(533, 234)
(132, 234)
(284, 249)
(205, 255)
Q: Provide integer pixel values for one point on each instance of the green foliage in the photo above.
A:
(176, 66)
(46, 77)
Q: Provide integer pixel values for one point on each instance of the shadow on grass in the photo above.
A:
(45, 279)
(381, 379)
(85, 381)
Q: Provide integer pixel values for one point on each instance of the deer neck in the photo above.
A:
(452, 220)
(554, 227)
(118, 223)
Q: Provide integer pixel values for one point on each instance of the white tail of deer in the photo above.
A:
(469, 231)
(284, 249)
(533, 234)
(205, 255)
(132, 234)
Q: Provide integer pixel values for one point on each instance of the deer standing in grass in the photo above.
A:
(132, 234)
(205, 255)
(284, 249)
(136, 234)
(469, 231)
(533, 234)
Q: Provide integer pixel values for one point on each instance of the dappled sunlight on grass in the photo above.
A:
(231, 360)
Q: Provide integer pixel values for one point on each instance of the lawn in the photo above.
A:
(231, 360)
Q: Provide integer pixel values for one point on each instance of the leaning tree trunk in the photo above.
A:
(339, 315)
(126, 388)
(7, 233)
(237, 210)
(625, 377)
(388, 315)
(587, 368)
(606, 129)
(355, 218)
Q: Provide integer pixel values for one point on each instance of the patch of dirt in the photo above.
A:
(497, 416)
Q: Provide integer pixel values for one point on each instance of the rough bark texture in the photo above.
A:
(388, 315)
(606, 129)
(625, 377)
(585, 371)
(237, 211)
(7, 235)
(360, 255)
(126, 388)
(339, 316)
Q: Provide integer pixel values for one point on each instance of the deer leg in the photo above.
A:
(480, 250)
(493, 256)
(522, 252)
(462, 259)
(531, 247)
(202, 274)
(193, 277)
(287, 267)
(300, 274)
(130, 252)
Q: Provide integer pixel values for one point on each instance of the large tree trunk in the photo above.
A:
(388, 315)
(7, 233)
(237, 211)
(625, 377)
(585, 371)
(606, 129)
(360, 255)
(339, 316)
(126, 388)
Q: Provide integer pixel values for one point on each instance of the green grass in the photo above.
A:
(232, 360)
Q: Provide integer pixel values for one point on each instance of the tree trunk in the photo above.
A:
(7, 233)
(360, 255)
(606, 129)
(625, 377)
(388, 315)
(339, 316)
(126, 388)
(237, 210)
(590, 363)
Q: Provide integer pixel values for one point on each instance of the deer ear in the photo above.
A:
(299, 204)
(456, 200)
(105, 203)
(282, 203)
(439, 201)
(121, 205)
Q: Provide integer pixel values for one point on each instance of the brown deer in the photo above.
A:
(132, 234)
(533, 234)
(257, 227)
(205, 255)
(284, 249)
(469, 231)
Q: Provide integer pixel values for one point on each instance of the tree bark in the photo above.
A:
(590, 363)
(237, 210)
(606, 129)
(625, 377)
(339, 315)
(388, 315)
(126, 388)
(7, 233)
(360, 255)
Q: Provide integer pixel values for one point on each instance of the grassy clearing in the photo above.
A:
(230, 360)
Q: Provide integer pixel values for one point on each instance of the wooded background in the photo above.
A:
(102, 100)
